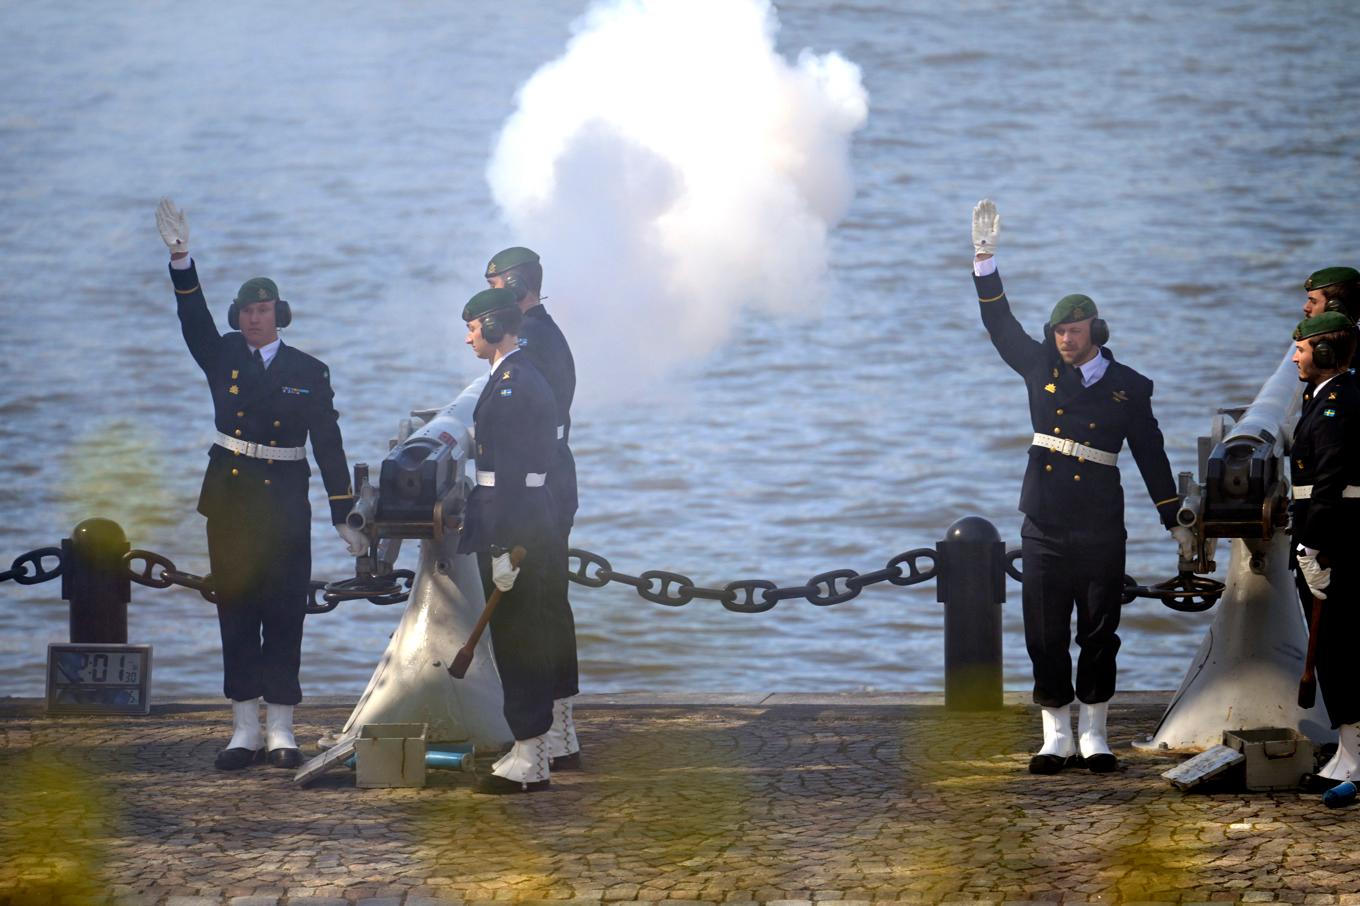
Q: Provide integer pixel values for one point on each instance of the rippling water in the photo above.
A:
(1185, 164)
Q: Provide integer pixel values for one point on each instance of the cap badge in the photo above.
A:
(262, 294)
(1051, 388)
(491, 269)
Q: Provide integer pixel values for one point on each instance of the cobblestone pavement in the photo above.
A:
(736, 800)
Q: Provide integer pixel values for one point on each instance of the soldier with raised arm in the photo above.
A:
(268, 399)
(1083, 405)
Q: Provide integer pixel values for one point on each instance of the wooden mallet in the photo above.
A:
(463, 659)
(1308, 682)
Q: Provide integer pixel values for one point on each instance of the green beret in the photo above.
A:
(1329, 276)
(489, 300)
(505, 259)
(1327, 322)
(257, 289)
(1075, 307)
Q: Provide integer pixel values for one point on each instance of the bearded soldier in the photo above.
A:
(1324, 468)
(1333, 289)
(268, 398)
(519, 270)
(514, 430)
(1083, 406)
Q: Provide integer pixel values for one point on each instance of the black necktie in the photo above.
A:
(259, 361)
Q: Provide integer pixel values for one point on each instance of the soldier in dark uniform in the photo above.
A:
(519, 270)
(1083, 406)
(514, 429)
(1324, 469)
(1333, 289)
(267, 398)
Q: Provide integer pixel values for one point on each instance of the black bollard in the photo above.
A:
(95, 581)
(972, 586)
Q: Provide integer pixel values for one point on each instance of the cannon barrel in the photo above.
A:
(1244, 493)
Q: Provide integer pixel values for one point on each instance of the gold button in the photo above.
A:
(240, 413)
(1092, 425)
(1057, 430)
(236, 471)
(1076, 478)
(273, 443)
(235, 452)
(270, 461)
(1048, 468)
(266, 481)
(1081, 459)
(238, 432)
(277, 423)
(1060, 412)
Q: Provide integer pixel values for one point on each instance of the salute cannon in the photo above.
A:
(422, 485)
(1245, 674)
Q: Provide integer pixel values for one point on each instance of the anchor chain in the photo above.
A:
(1185, 593)
(330, 593)
(824, 589)
(19, 569)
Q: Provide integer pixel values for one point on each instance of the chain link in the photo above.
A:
(18, 570)
(751, 595)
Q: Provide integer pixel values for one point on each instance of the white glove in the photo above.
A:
(1316, 577)
(1185, 540)
(355, 540)
(502, 573)
(986, 225)
(174, 226)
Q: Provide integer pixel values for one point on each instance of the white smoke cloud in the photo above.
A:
(671, 167)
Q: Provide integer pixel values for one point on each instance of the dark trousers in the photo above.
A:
(1060, 574)
(1338, 677)
(562, 484)
(261, 570)
(521, 636)
(566, 675)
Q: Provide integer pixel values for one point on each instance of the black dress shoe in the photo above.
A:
(1103, 763)
(495, 785)
(571, 762)
(236, 759)
(285, 758)
(1047, 764)
(1315, 783)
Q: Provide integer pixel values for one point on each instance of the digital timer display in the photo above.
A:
(95, 678)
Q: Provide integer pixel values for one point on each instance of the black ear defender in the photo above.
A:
(492, 329)
(514, 281)
(1324, 355)
(1100, 331)
(283, 314)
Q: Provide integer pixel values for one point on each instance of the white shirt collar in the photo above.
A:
(500, 359)
(269, 351)
(1095, 369)
(1318, 388)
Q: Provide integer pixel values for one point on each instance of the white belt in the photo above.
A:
(531, 479)
(1068, 447)
(1305, 491)
(260, 451)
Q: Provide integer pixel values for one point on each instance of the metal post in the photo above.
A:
(95, 581)
(972, 586)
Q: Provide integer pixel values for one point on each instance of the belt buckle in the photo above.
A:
(252, 449)
(1067, 446)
